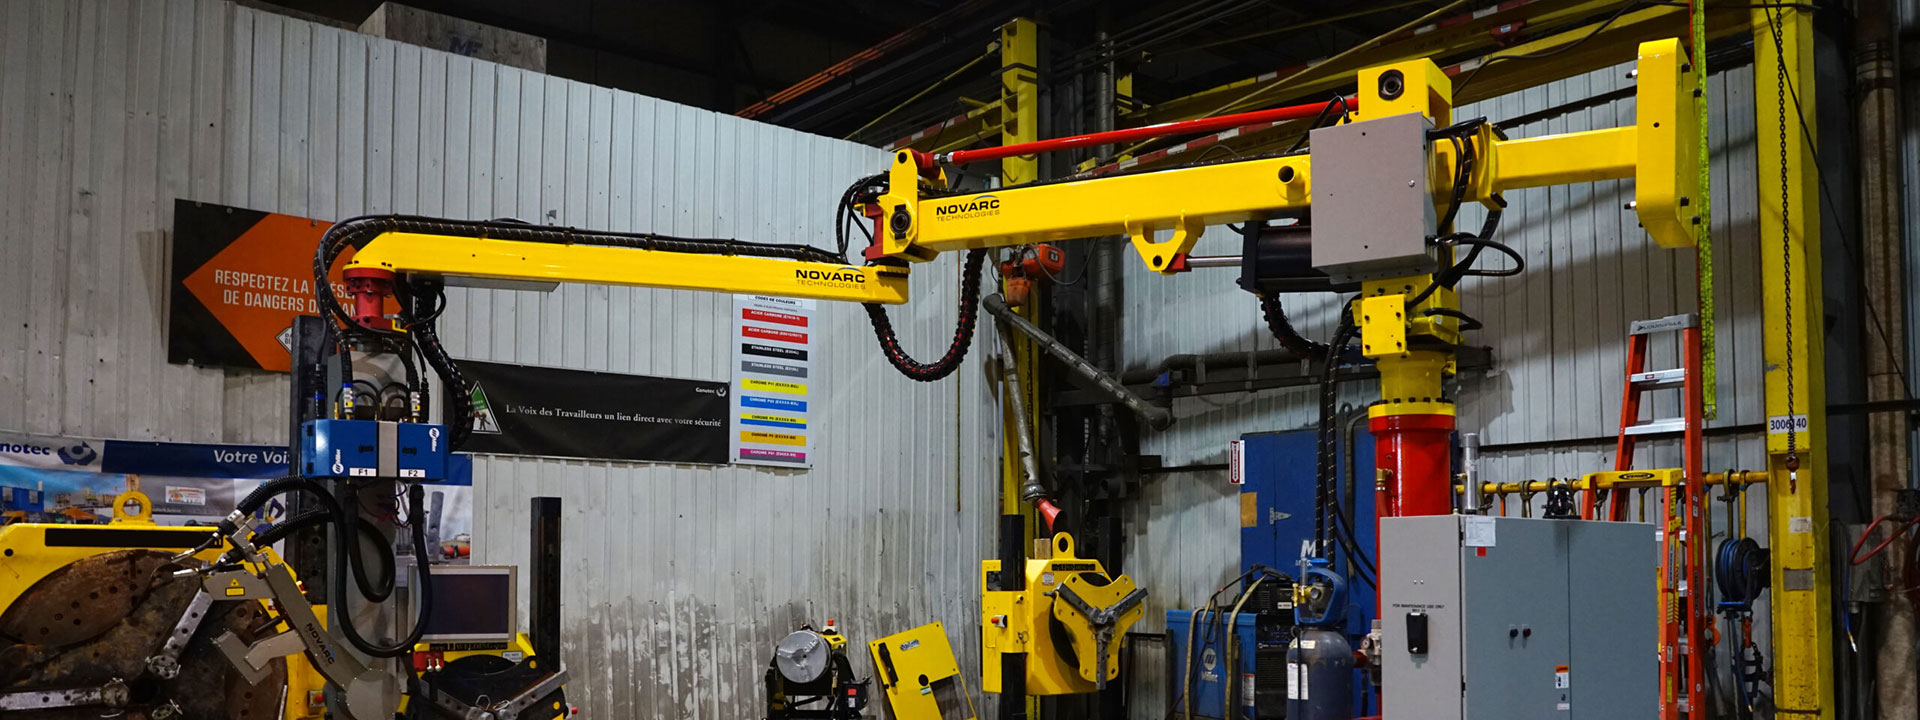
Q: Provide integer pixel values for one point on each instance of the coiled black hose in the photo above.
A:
(1741, 571)
(962, 332)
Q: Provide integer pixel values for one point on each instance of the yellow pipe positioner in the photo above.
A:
(1065, 598)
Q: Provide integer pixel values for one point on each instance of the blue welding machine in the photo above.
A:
(1205, 684)
(374, 449)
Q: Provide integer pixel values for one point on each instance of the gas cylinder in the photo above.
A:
(1320, 660)
(1319, 675)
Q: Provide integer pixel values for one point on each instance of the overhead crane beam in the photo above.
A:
(1611, 46)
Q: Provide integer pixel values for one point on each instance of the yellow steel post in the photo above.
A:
(1795, 364)
(1019, 102)
(1020, 123)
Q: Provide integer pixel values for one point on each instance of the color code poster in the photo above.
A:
(772, 380)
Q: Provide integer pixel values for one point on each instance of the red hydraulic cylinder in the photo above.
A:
(1418, 449)
(1181, 127)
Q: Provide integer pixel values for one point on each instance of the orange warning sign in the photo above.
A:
(240, 277)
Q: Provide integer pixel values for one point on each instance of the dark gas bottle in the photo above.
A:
(1319, 676)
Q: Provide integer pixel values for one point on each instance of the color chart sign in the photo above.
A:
(773, 382)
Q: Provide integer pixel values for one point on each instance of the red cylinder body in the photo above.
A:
(370, 289)
(1418, 449)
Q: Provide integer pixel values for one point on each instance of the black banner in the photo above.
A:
(526, 410)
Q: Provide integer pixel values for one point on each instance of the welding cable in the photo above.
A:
(1467, 322)
(1339, 100)
(323, 516)
(347, 545)
(332, 506)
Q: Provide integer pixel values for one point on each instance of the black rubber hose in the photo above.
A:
(267, 491)
(348, 547)
(376, 591)
(962, 332)
(280, 530)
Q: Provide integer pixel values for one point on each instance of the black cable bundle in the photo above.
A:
(962, 331)
(1327, 505)
(1283, 331)
(422, 301)
(867, 190)
(1460, 134)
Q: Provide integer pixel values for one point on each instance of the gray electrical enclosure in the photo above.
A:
(1372, 208)
(1518, 618)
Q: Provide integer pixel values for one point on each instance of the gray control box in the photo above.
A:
(1372, 208)
(1518, 618)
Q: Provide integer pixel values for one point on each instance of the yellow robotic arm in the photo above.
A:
(1376, 185)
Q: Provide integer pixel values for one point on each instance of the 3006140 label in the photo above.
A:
(1783, 424)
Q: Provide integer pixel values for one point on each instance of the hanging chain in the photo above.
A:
(1786, 243)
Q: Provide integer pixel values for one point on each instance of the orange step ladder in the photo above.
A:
(1685, 619)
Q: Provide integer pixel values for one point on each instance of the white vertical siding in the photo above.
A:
(1558, 334)
(680, 578)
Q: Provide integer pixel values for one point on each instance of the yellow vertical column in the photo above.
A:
(1795, 362)
(1019, 123)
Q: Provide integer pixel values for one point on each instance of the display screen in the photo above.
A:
(471, 606)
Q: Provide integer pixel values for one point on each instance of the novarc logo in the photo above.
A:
(979, 204)
(841, 275)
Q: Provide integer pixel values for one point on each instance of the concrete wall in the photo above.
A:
(679, 578)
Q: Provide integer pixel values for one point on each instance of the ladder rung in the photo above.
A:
(1658, 379)
(1669, 323)
(1657, 427)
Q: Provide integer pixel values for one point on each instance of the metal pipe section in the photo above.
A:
(1179, 127)
(1877, 118)
(1156, 417)
(1738, 477)
(1213, 261)
(1473, 499)
(1030, 488)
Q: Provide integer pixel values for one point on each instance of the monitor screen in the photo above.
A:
(472, 603)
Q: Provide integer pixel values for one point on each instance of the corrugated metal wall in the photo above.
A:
(1558, 333)
(680, 578)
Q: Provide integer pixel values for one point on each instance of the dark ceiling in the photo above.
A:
(727, 55)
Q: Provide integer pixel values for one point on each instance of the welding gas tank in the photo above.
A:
(1319, 676)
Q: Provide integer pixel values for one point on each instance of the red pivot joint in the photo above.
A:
(370, 288)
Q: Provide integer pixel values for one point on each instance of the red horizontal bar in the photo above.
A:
(1180, 127)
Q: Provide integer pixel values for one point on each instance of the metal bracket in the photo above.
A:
(1159, 255)
(114, 694)
(166, 663)
(255, 661)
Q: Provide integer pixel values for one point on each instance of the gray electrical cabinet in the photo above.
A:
(1518, 618)
(1372, 209)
